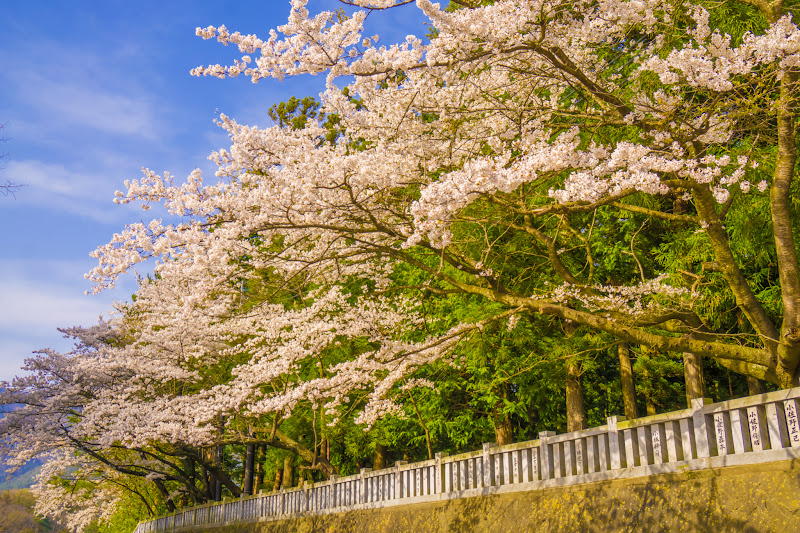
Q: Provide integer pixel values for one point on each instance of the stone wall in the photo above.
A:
(750, 498)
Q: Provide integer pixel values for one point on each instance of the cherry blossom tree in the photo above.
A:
(622, 168)
(516, 120)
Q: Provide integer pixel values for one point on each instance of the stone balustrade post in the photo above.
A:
(438, 485)
(546, 454)
(332, 501)
(399, 485)
(701, 437)
(364, 492)
(487, 463)
(615, 454)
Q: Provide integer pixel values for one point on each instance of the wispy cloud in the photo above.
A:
(77, 88)
(28, 308)
(77, 120)
(69, 190)
(82, 105)
(36, 298)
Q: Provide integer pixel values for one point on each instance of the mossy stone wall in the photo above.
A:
(752, 498)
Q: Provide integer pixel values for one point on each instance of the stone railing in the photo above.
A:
(749, 430)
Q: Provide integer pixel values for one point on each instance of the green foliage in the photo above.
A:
(296, 113)
(130, 511)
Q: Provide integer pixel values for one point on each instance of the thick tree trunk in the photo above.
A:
(503, 431)
(288, 472)
(191, 478)
(208, 483)
(626, 374)
(754, 386)
(219, 459)
(379, 462)
(785, 246)
(651, 407)
(217, 477)
(576, 412)
(210, 479)
(249, 471)
(278, 479)
(693, 375)
(746, 299)
(259, 467)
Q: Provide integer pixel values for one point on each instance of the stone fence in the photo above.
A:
(750, 430)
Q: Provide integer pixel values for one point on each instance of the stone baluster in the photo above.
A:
(399, 485)
(702, 438)
(363, 494)
(792, 422)
(546, 454)
(486, 463)
(439, 485)
(615, 454)
(776, 426)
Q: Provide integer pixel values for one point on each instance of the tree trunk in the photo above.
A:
(503, 431)
(288, 472)
(693, 375)
(754, 386)
(651, 407)
(165, 495)
(628, 389)
(424, 427)
(209, 479)
(379, 462)
(576, 412)
(259, 476)
(781, 209)
(249, 461)
(208, 483)
(217, 482)
(278, 479)
(285, 442)
(219, 459)
(191, 481)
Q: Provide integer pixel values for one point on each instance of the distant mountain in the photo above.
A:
(23, 478)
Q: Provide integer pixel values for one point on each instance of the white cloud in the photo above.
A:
(13, 353)
(83, 104)
(65, 189)
(69, 87)
(52, 178)
(36, 298)
(29, 307)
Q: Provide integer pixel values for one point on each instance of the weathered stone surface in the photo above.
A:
(753, 498)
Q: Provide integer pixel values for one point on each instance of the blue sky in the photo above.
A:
(91, 92)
